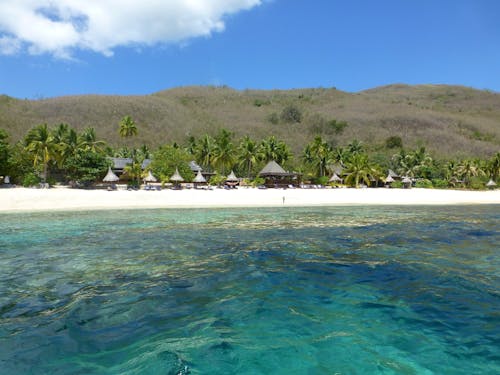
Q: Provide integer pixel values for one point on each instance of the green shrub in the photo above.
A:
(338, 126)
(217, 180)
(394, 142)
(423, 183)
(439, 183)
(291, 114)
(323, 180)
(477, 183)
(261, 102)
(273, 118)
(258, 181)
(397, 185)
(30, 180)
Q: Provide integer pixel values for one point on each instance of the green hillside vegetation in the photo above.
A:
(440, 136)
(450, 121)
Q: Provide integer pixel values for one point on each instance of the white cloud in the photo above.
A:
(59, 27)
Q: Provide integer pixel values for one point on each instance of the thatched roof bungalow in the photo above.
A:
(199, 179)
(119, 164)
(335, 178)
(110, 176)
(276, 176)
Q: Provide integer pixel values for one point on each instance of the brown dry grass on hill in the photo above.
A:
(451, 121)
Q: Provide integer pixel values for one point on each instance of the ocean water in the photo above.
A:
(338, 290)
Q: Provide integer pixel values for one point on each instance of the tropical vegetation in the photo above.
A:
(62, 154)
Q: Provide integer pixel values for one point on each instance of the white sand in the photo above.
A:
(20, 199)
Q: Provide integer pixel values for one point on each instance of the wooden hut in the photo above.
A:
(406, 182)
(276, 176)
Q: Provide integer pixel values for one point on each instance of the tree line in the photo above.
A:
(62, 154)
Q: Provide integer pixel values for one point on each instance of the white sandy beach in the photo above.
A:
(22, 199)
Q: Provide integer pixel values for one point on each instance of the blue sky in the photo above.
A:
(262, 44)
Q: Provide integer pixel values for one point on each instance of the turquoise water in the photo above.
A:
(343, 290)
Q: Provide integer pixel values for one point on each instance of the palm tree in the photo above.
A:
(223, 156)
(191, 145)
(88, 141)
(414, 163)
(493, 166)
(134, 171)
(128, 127)
(318, 153)
(205, 151)
(467, 169)
(247, 154)
(59, 138)
(40, 144)
(359, 170)
(355, 147)
(143, 153)
(273, 149)
(339, 155)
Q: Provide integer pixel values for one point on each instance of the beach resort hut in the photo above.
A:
(176, 179)
(335, 179)
(406, 182)
(389, 180)
(491, 184)
(199, 179)
(149, 178)
(195, 167)
(393, 175)
(111, 178)
(232, 180)
(276, 176)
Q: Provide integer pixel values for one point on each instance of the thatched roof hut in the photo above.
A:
(199, 179)
(195, 167)
(110, 176)
(273, 169)
(150, 178)
(406, 182)
(232, 177)
(491, 184)
(176, 177)
(335, 178)
(276, 176)
(393, 175)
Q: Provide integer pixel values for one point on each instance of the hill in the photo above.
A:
(451, 121)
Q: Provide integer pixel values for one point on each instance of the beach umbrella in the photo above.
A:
(389, 179)
(491, 183)
(176, 177)
(232, 177)
(150, 178)
(232, 180)
(335, 178)
(199, 179)
(110, 176)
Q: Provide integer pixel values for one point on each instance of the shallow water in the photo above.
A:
(347, 290)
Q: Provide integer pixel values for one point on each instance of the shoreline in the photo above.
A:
(64, 199)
